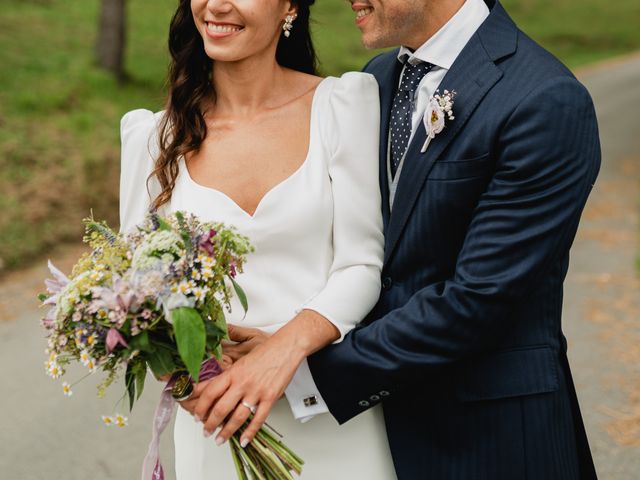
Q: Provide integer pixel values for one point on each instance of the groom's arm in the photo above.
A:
(548, 156)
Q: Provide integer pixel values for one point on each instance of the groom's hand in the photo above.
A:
(242, 341)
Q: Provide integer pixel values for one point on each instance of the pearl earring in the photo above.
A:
(288, 25)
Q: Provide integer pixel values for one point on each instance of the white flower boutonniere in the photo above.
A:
(439, 109)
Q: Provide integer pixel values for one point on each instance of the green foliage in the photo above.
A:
(59, 114)
(161, 361)
(190, 338)
(241, 295)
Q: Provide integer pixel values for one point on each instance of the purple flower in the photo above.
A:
(113, 339)
(206, 242)
(232, 269)
(55, 285)
(119, 298)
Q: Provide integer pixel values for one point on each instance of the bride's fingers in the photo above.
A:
(238, 351)
(208, 394)
(240, 415)
(226, 362)
(242, 334)
(221, 410)
(264, 407)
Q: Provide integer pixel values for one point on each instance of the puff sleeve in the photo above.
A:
(351, 132)
(139, 149)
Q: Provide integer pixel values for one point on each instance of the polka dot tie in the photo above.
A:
(402, 110)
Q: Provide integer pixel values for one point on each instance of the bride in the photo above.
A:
(253, 138)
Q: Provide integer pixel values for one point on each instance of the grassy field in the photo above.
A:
(59, 115)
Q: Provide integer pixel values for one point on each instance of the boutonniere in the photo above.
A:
(439, 109)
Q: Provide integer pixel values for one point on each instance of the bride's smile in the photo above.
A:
(234, 30)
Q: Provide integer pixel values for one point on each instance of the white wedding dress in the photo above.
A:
(318, 245)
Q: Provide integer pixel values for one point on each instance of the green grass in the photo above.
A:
(59, 115)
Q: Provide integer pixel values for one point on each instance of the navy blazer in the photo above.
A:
(464, 348)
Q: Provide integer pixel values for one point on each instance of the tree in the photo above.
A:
(111, 37)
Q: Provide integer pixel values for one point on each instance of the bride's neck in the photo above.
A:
(246, 87)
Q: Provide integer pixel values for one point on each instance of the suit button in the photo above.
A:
(386, 283)
(384, 393)
(374, 398)
(363, 403)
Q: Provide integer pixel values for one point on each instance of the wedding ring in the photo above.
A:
(252, 408)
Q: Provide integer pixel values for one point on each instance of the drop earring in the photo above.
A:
(288, 25)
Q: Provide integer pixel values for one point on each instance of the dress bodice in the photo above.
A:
(317, 234)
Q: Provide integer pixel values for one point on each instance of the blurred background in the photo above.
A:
(70, 69)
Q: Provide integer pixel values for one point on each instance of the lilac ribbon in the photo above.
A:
(152, 466)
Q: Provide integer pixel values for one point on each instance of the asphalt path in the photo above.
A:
(45, 435)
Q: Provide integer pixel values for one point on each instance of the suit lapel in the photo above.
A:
(472, 75)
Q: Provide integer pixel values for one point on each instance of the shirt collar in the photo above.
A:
(444, 47)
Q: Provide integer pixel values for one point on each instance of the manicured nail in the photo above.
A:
(207, 433)
(244, 442)
(197, 417)
(220, 440)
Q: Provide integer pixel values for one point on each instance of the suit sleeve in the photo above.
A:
(547, 159)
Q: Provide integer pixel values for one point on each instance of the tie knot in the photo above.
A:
(413, 74)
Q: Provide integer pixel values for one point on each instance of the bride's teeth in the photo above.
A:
(222, 28)
(363, 12)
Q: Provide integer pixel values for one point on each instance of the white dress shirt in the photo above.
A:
(441, 50)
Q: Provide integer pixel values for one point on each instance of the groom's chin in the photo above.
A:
(371, 41)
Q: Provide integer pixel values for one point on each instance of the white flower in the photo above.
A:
(200, 293)
(434, 118)
(108, 421)
(85, 358)
(185, 287)
(206, 273)
(54, 370)
(120, 420)
(66, 388)
(91, 365)
(158, 247)
(173, 301)
(439, 109)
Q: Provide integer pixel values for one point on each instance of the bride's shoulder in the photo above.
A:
(355, 81)
(139, 120)
(356, 87)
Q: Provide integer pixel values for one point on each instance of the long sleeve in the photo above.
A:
(138, 153)
(547, 163)
(351, 132)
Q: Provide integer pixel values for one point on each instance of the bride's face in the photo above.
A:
(233, 30)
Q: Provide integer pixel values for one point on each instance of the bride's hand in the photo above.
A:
(243, 341)
(260, 377)
(190, 403)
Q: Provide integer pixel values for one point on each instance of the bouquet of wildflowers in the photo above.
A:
(154, 300)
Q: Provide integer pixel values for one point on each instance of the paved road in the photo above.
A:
(602, 291)
(46, 435)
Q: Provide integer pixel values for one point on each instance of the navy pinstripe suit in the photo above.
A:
(465, 348)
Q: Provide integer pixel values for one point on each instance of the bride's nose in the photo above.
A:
(219, 6)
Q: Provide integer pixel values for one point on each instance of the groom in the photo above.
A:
(465, 349)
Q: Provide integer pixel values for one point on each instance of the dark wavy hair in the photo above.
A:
(183, 128)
